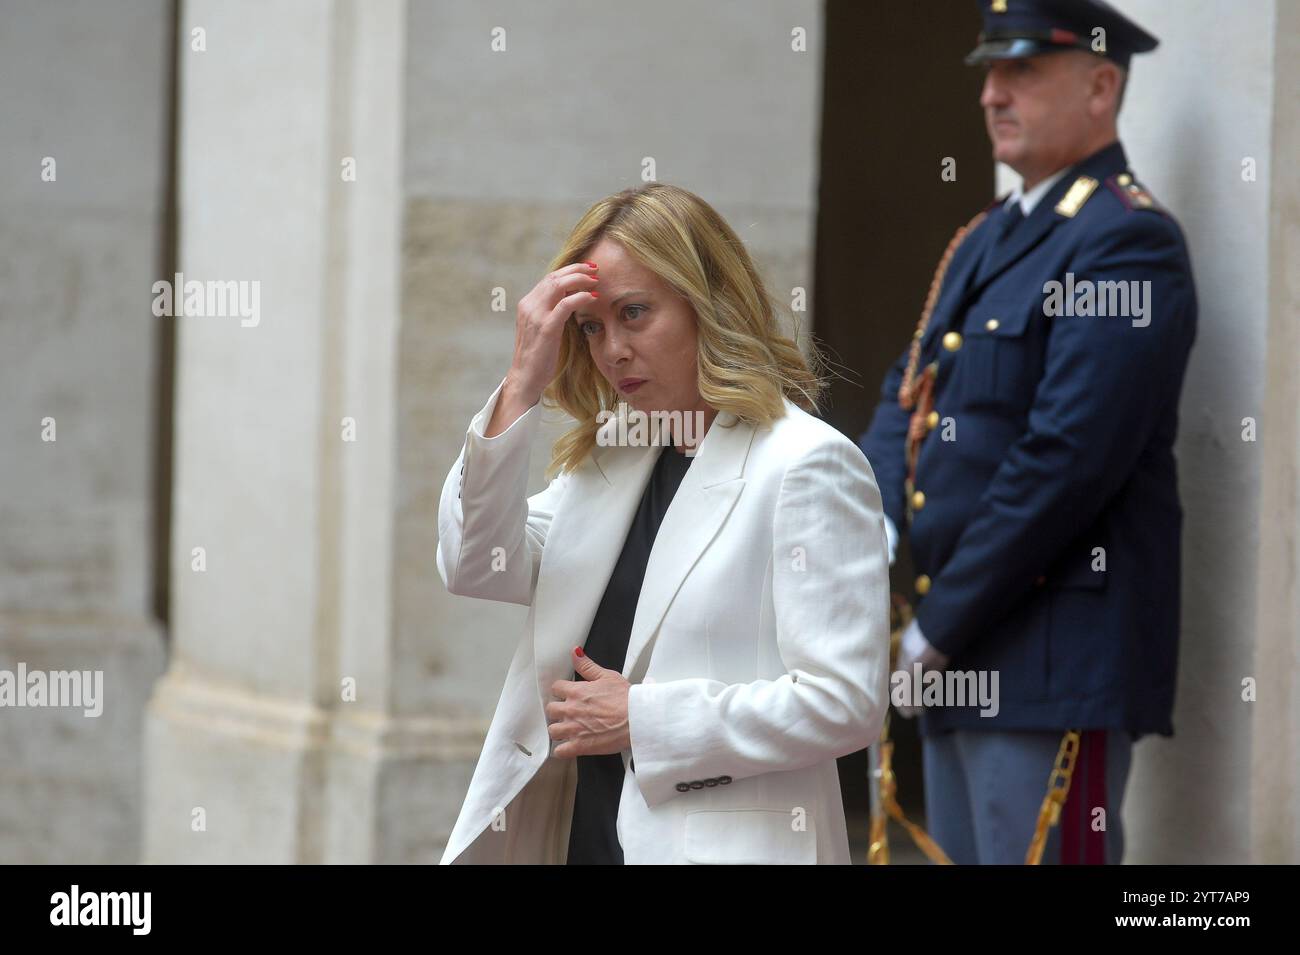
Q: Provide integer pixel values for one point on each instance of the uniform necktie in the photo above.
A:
(1011, 217)
(1008, 218)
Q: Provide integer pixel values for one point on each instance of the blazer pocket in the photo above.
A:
(998, 360)
(749, 837)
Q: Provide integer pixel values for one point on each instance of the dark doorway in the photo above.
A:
(897, 101)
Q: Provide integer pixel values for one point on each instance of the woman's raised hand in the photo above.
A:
(539, 325)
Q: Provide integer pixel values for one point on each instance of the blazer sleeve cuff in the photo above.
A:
(515, 440)
(657, 774)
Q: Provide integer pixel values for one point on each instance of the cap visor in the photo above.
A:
(1012, 49)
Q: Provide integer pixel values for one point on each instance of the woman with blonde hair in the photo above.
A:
(706, 572)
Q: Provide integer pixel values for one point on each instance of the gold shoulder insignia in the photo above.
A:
(1131, 193)
(1077, 195)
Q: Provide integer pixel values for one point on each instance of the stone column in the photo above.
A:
(1275, 730)
(272, 735)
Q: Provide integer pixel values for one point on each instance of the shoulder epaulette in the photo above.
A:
(1078, 193)
(1132, 193)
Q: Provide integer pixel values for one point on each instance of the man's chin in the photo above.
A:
(1007, 152)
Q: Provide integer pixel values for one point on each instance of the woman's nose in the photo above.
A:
(617, 347)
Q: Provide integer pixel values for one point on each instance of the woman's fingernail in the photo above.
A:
(593, 265)
(594, 295)
(578, 651)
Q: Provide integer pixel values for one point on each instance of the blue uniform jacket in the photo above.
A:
(1052, 458)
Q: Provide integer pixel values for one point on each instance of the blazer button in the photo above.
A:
(952, 341)
(723, 780)
(697, 784)
(683, 787)
(932, 420)
(923, 584)
(991, 324)
(918, 500)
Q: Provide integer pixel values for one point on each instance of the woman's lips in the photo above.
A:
(629, 385)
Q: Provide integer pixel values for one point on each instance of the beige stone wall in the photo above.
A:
(86, 85)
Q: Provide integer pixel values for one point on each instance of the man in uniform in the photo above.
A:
(1024, 443)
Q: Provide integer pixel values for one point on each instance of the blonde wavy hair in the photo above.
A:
(747, 366)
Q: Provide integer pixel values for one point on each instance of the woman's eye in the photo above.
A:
(589, 328)
(637, 308)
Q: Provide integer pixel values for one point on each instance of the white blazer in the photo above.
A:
(759, 651)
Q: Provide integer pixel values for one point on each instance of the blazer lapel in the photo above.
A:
(1046, 216)
(957, 281)
(1028, 234)
(698, 510)
(587, 537)
(584, 543)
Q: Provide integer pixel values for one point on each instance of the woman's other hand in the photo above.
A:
(589, 718)
(539, 327)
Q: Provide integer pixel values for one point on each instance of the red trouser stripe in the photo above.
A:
(1080, 843)
(1095, 839)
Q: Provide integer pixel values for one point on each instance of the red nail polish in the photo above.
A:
(594, 295)
(593, 265)
(578, 651)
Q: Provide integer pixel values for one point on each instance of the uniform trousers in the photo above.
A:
(984, 789)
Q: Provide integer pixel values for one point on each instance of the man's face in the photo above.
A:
(1039, 110)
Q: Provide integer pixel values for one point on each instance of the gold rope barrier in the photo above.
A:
(885, 804)
(1058, 787)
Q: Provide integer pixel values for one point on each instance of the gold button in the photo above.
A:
(923, 584)
(1124, 179)
(991, 324)
(932, 420)
(952, 341)
(918, 500)
(918, 334)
